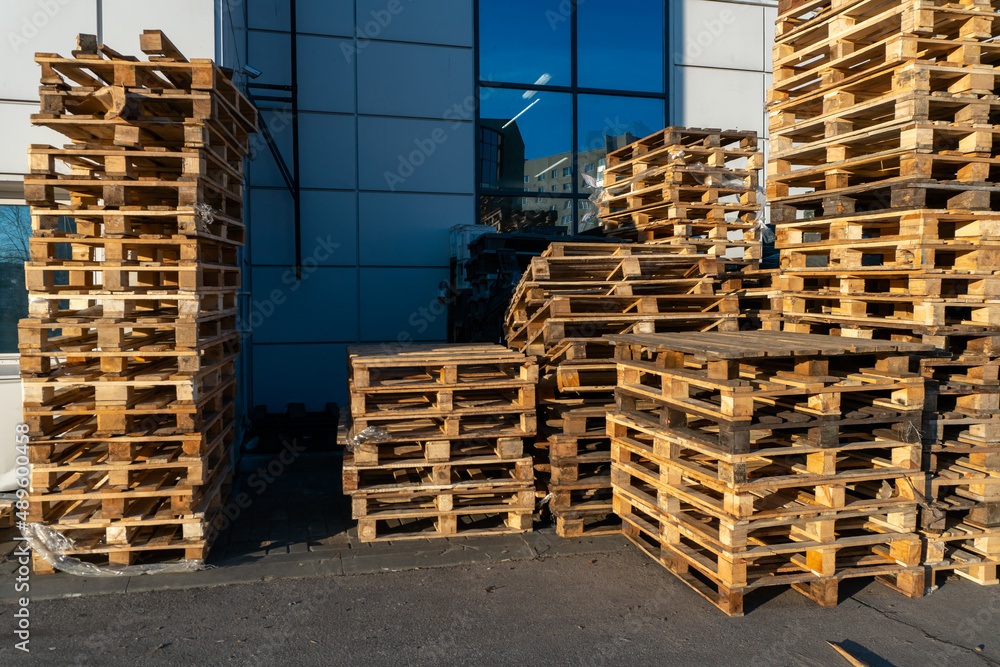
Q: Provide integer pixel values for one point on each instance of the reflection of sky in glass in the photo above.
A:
(520, 40)
(609, 115)
(546, 127)
(632, 61)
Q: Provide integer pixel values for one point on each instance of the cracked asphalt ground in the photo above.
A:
(579, 610)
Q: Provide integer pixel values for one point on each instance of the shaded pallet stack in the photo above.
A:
(961, 523)
(565, 303)
(883, 182)
(692, 188)
(128, 355)
(743, 461)
(436, 447)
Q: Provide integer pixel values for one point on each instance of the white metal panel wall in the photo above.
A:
(51, 26)
(384, 176)
(30, 26)
(721, 62)
(190, 25)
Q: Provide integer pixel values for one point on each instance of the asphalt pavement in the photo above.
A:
(590, 609)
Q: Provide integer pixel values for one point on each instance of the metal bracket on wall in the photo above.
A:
(286, 95)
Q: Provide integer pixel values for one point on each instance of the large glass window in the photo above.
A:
(556, 95)
(525, 41)
(15, 230)
(631, 63)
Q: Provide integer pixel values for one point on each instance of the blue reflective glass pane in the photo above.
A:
(525, 41)
(608, 122)
(543, 215)
(535, 136)
(631, 61)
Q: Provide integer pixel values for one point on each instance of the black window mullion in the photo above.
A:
(476, 127)
(575, 226)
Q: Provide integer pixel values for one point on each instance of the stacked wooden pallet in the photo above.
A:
(741, 461)
(687, 187)
(436, 447)
(566, 301)
(883, 182)
(128, 354)
(961, 523)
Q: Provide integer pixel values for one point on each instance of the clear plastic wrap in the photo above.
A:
(205, 213)
(603, 193)
(370, 434)
(717, 177)
(53, 546)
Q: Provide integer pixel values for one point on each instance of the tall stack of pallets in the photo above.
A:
(569, 298)
(883, 181)
(694, 189)
(436, 446)
(128, 353)
(757, 459)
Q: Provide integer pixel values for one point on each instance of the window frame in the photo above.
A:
(577, 193)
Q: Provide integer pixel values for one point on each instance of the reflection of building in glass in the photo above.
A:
(554, 174)
(501, 167)
(501, 154)
(547, 182)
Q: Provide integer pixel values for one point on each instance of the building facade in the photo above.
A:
(413, 116)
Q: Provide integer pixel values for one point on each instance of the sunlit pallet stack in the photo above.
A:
(695, 189)
(436, 447)
(883, 181)
(567, 300)
(759, 459)
(129, 351)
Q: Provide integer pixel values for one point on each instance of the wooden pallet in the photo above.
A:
(725, 583)
(120, 492)
(414, 454)
(700, 142)
(555, 321)
(404, 478)
(442, 402)
(81, 352)
(447, 514)
(431, 366)
(763, 458)
(80, 441)
(882, 311)
(129, 417)
(869, 35)
(137, 222)
(966, 551)
(118, 162)
(98, 66)
(145, 531)
(890, 226)
(888, 281)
